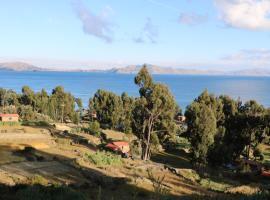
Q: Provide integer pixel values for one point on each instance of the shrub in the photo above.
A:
(36, 123)
(136, 149)
(38, 180)
(92, 129)
(258, 153)
(212, 185)
(102, 158)
(189, 174)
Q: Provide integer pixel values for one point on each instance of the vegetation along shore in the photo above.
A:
(125, 147)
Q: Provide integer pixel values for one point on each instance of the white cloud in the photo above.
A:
(192, 19)
(248, 58)
(149, 33)
(95, 25)
(247, 14)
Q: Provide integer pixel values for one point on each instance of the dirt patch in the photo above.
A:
(54, 171)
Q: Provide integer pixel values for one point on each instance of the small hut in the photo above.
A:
(9, 117)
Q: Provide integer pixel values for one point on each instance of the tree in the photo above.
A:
(255, 130)
(42, 101)
(156, 104)
(28, 97)
(108, 107)
(202, 128)
(126, 119)
(62, 105)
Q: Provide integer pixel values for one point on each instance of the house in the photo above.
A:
(181, 118)
(121, 146)
(9, 117)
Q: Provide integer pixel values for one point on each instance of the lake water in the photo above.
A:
(185, 88)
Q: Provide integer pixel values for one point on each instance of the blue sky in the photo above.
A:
(211, 34)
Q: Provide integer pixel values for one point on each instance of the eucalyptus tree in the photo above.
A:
(155, 105)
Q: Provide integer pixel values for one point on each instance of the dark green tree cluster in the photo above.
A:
(59, 106)
(222, 129)
(112, 111)
(150, 116)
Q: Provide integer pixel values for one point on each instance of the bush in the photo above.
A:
(258, 153)
(93, 129)
(36, 123)
(38, 180)
(212, 185)
(94, 126)
(136, 149)
(189, 174)
(101, 158)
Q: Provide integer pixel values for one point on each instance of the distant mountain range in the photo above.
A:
(19, 66)
(133, 69)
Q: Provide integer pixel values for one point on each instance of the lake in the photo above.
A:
(184, 87)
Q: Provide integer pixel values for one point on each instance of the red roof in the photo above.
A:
(120, 144)
(9, 115)
(117, 145)
(112, 147)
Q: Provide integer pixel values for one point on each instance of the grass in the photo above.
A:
(9, 124)
(102, 158)
(189, 174)
(7, 156)
(177, 159)
(38, 180)
(182, 143)
(214, 186)
(63, 141)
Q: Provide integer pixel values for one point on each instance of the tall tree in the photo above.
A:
(156, 103)
(202, 128)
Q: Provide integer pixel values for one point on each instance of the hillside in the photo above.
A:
(134, 69)
(19, 66)
(153, 69)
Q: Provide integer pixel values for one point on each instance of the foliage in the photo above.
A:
(215, 186)
(38, 180)
(136, 149)
(154, 111)
(102, 158)
(9, 124)
(202, 129)
(40, 106)
(93, 129)
(108, 107)
(230, 128)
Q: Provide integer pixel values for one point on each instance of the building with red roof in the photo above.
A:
(9, 117)
(120, 146)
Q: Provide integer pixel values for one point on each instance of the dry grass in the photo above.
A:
(116, 135)
(8, 156)
(244, 189)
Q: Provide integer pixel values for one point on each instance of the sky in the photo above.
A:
(99, 34)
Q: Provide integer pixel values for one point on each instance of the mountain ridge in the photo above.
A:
(133, 69)
(19, 66)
